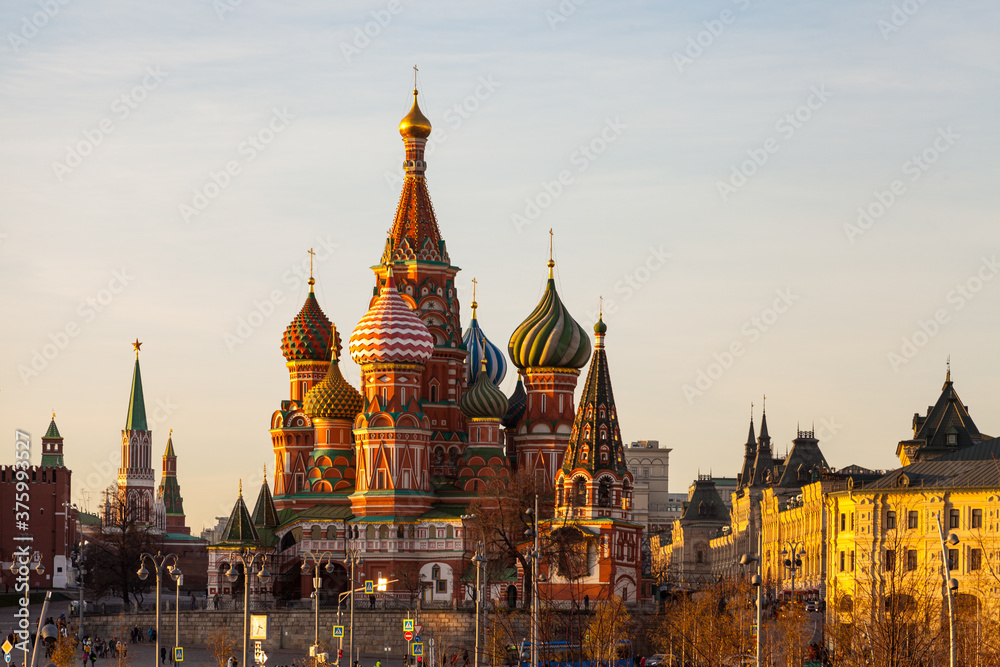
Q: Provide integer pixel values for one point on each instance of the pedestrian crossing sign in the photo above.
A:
(407, 625)
(338, 631)
(178, 654)
(369, 587)
(418, 649)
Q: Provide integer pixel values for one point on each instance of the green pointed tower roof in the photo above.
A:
(136, 420)
(264, 512)
(53, 431)
(240, 530)
(170, 445)
(595, 443)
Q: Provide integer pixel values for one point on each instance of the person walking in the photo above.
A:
(163, 654)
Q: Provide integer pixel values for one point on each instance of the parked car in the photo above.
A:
(655, 660)
(812, 605)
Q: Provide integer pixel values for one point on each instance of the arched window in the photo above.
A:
(585, 454)
(432, 533)
(604, 493)
(331, 533)
(436, 572)
(434, 393)
(590, 411)
(586, 432)
(449, 532)
(370, 532)
(580, 492)
(315, 533)
(604, 454)
(383, 532)
(604, 433)
(559, 496)
(602, 412)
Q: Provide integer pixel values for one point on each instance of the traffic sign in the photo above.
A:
(369, 587)
(7, 657)
(262, 658)
(7, 646)
(408, 635)
(417, 628)
(417, 638)
(418, 649)
(178, 654)
(338, 631)
(407, 624)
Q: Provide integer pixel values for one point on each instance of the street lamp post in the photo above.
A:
(532, 531)
(478, 559)
(757, 581)
(794, 550)
(317, 561)
(352, 557)
(179, 579)
(80, 563)
(158, 561)
(950, 585)
(249, 558)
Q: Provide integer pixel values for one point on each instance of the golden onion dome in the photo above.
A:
(415, 124)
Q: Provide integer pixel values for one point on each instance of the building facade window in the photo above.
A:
(890, 560)
(842, 560)
(975, 559)
(890, 520)
(912, 520)
(954, 518)
(953, 559)
(843, 522)
(977, 518)
(852, 561)
(911, 560)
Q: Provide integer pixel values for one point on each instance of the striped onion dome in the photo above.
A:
(390, 331)
(333, 397)
(550, 336)
(307, 338)
(479, 345)
(516, 405)
(483, 400)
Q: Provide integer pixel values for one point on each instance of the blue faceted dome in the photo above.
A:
(496, 362)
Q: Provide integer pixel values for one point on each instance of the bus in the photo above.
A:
(567, 654)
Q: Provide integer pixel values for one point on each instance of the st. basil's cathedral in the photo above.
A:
(390, 468)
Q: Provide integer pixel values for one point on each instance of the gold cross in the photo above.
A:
(415, 70)
(550, 244)
(311, 255)
(600, 308)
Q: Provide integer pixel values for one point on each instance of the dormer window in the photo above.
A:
(952, 439)
(585, 454)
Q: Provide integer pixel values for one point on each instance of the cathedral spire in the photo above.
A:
(169, 492)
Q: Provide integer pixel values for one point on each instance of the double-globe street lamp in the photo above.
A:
(317, 581)
(793, 550)
(159, 562)
(249, 558)
(535, 557)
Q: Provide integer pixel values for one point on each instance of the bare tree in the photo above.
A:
(113, 555)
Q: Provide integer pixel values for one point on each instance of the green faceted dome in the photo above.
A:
(550, 336)
(483, 400)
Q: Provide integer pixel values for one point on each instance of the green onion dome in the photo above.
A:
(307, 337)
(550, 337)
(483, 400)
(333, 397)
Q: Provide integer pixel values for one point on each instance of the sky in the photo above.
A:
(788, 199)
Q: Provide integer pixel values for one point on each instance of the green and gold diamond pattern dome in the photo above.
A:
(333, 397)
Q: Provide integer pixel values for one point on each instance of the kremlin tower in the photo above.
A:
(169, 493)
(135, 476)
